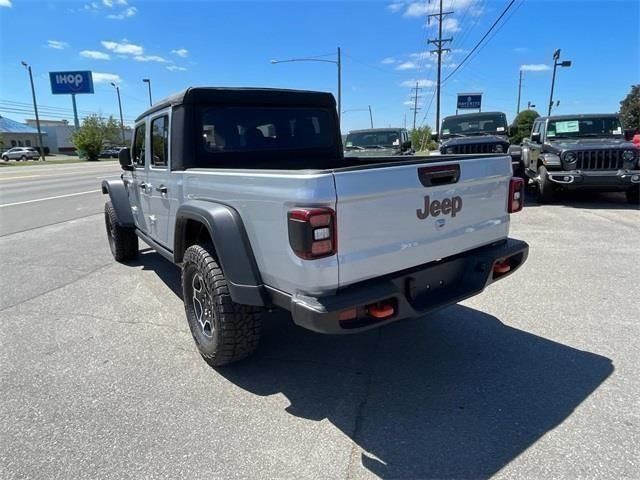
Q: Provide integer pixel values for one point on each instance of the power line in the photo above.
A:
(481, 40)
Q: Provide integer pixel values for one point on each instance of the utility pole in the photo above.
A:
(339, 88)
(370, 116)
(519, 90)
(415, 104)
(439, 42)
(35, 108)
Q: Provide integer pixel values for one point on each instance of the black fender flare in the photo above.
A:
(117, 191)
(232, 248)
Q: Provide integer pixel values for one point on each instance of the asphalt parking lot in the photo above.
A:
(535, 378)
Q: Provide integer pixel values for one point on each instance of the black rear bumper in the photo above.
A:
(413, 292)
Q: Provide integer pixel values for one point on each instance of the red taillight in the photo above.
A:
(516, 195)
(312, 232)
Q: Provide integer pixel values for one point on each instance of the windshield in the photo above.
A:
(584, 127)
(489, 123)
(373, 139)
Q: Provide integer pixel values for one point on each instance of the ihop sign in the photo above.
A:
(468, 101)
(71, 82)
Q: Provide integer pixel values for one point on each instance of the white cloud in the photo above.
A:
(450, 24)
(421, 9)
(106, 78)
(521, 49)
(396, 6)
(126, 13)
(94, 54)
(408, 102)
(422, 82)
(150, 58)
(108, 3)
(175, 68)
(123, 47)
(407, 66)
(181, 52)
(5, 3)
(535, 67)
(388, 61)
(57, 44)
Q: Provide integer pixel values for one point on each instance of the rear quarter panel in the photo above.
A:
(263, 198)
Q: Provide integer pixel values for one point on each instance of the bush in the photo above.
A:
(630, 109)
(93, 134)
(421, 139)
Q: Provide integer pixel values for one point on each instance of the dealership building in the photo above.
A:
(15, 134)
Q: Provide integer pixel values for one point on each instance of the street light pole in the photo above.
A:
(362, 110)
(337, 62)
(556, 64)
(35, 108)
(120, 107)
(519, 90)
(148, 82)
(370, 116)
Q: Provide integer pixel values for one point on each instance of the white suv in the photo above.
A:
(20, 153)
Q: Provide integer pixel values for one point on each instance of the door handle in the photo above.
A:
(143, 186)
(161, 189)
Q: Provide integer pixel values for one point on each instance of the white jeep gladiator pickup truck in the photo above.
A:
(247, 190)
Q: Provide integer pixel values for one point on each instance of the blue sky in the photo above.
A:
(178, 44)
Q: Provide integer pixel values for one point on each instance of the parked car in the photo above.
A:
(20, 153)
(586, 151)
(111, 152)
(378, 142)
(257, 205)
(472, 133)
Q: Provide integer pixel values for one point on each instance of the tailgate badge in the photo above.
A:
(446, 206)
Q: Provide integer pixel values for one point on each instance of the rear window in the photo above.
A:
(231, 136)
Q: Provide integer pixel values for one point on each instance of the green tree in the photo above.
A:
(94, 133)
(630, 109)
(421, 139)
(522, 125)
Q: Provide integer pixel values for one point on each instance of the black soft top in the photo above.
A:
(579, 116)
(244, 96)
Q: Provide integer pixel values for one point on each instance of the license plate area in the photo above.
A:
(436, 284)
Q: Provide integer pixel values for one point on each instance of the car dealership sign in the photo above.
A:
(469, 101)
(71, 82)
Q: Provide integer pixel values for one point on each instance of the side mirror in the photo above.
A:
(406, 145)
(511, 130)
(434, 137)
(124, 157)
(536, 137)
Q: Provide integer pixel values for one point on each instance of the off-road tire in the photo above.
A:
(545, 186)
(633, 195)
(233, 330)
(123, 241)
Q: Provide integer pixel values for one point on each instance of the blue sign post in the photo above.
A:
(71, 83)
(469, 101)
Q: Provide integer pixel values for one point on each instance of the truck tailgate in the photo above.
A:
(396, 217)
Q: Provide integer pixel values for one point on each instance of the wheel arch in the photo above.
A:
(117, 191)
(198, 221)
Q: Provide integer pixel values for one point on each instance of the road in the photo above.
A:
(535, 378)
(28, 193)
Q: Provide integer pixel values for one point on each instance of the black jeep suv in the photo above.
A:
(581, 152)
(485, 132)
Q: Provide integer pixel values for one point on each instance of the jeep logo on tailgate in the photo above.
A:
(447, 206)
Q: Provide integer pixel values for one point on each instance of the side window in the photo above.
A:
(138, 146)
(27, 143)
(13, 143)
(160, 142)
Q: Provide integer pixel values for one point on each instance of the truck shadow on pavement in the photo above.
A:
(455, 395)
